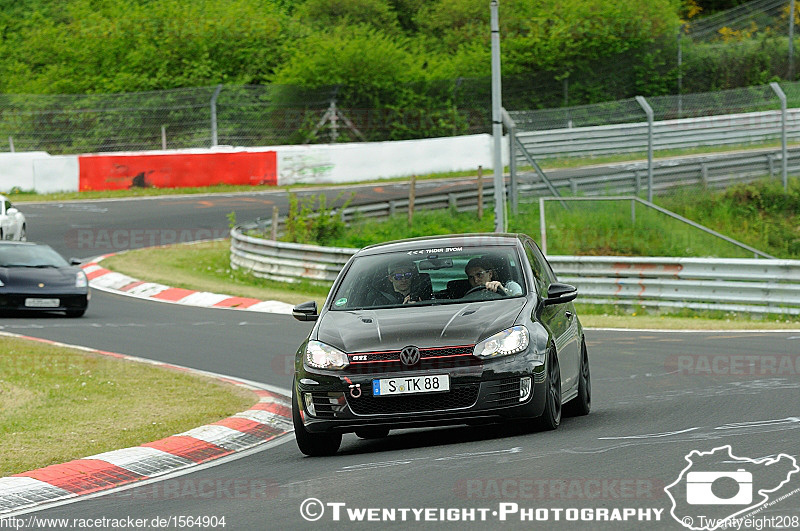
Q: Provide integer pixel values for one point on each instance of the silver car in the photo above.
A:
(12, 221)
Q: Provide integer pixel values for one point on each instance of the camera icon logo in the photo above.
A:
(700, 491)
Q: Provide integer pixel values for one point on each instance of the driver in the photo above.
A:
(480, 273)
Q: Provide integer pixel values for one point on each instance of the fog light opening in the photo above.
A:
(308, 399)
(524, 388)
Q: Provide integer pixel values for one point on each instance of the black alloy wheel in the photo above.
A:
(582, 404)
(551, 416)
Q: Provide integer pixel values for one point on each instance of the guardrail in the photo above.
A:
(738, 285)
(286, 262)
(710, 171)
(734, 284)
(731, 129)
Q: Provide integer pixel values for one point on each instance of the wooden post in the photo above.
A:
(274, 223)
(411, 194)
(480, 192)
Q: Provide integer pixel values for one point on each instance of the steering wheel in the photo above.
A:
(499, 294)
(474, 289)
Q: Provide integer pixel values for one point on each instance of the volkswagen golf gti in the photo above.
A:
(463, 329)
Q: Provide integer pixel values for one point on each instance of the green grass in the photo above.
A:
(60, 404)
(206, 267)
(759, 214)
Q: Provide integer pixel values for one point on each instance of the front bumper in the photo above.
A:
(484, 392)
(66, 301)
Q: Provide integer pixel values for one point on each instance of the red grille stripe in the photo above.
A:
(398, 360)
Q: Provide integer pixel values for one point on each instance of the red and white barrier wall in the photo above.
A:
(274, 165)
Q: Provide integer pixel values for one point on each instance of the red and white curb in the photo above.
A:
(268, 419)
(107, 280)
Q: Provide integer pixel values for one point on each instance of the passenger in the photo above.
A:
(405, 285)
(480, 273)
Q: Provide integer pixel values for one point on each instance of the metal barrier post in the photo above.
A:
(649, 112)
(784, 150)
(512, 158)
(542, 227)
(214, 116)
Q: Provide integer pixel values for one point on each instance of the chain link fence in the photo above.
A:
(246, 116)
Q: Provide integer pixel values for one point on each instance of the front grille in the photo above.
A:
(459, 396)
(503, 392)
(394, 355)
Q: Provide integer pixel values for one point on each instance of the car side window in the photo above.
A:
(542, 273)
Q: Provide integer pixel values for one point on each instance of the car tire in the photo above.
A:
(582, 404)
(23, 234)
(551, 416)
(372, 433)
(312, 444)
(76, 313)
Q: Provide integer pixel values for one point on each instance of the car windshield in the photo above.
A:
(431, 276)
(30, 256)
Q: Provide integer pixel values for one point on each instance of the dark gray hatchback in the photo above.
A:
(461, 329)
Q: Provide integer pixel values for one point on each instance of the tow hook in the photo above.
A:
(355, 390)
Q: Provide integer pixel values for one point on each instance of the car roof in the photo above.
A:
(438, 242)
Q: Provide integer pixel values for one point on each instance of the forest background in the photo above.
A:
(380, 52)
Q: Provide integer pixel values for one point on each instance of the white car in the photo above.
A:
(12, 221)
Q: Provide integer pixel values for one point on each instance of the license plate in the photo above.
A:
(410, 385)
(42, 303)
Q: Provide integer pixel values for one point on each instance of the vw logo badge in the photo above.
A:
(409, 356)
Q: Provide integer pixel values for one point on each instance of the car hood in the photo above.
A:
(423, 326)
(31, 277)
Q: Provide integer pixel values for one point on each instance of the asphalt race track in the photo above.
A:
(657, 396)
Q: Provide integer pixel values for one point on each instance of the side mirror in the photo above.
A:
(75, 261)
(559, 293)
(11, 211)
(306, 311)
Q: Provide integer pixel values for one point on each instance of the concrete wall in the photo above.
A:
(37, 170)
(114, 171)
(55, 174)
(281, 165)
(341, 163)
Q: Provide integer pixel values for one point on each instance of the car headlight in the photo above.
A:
(324, 356)
(505, 343)
(80, 280)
